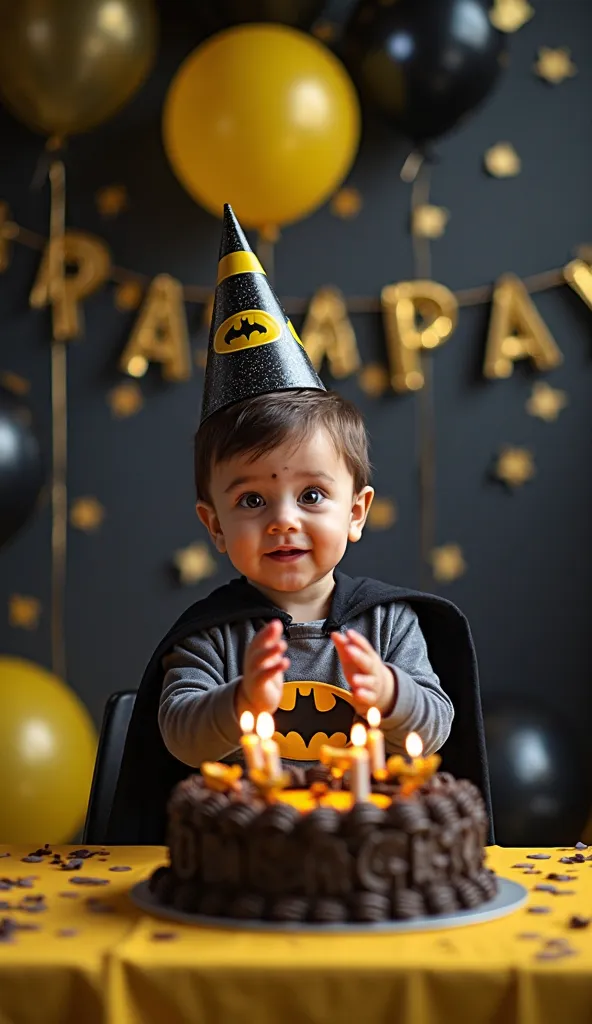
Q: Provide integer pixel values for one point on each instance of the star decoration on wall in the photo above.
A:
(128, 295)
(125, 400)
(111, 200)
(510, 15)
(546, 402)
(87, 514)
(14, 382)
(502, 160)
(555, 65)
(270, 233)
(23, 611)
(448, 563)
(346, 203)
(374, 379)
(429, 221)
(515, 466)
(382, 514)
(194, 563)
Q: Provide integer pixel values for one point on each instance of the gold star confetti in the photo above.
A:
(194, 563)
(448, 563)
(502, 160)
(555, 65)
(382, 514)
(374, 379)
(546, 402)
(346, 203)
(23, 612)
(13, 382)
(325, 31)
(510, 15)
(87, 514)
(111, 200)
(429, 221)
(515, 466)
(270, 233)
(125, 399)
(128, 295)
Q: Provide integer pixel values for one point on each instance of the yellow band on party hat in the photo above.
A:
(240, 262)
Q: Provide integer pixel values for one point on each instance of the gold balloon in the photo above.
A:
(263, 117)
(47, 752)
(401, 305)
(68, 65)
(327, 333)
(517, 331)
(160, 334)
(89, 259)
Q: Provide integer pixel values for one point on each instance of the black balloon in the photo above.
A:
(21, 465)
(297, 13)
(424, 63)
(540, 786)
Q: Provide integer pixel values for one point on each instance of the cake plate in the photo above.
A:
(509, 897)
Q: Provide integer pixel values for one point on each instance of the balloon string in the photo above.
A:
(59, 415)
(426, 421)
(266, 256)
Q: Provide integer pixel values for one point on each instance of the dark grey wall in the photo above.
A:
(527, 591)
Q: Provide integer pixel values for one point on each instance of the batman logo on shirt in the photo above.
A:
(311, 714)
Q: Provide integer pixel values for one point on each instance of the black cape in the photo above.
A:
(149, 772)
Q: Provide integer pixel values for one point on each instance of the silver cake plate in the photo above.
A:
(510, 896)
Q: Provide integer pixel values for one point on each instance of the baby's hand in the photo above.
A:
(372, 682)
(263, 673)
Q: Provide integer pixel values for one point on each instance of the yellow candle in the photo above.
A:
(250, 743)
(359, 767)
(269, 748)
(375, 743)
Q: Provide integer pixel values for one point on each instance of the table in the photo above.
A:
(85, 965)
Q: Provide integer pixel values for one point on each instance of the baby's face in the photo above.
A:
(285, 518)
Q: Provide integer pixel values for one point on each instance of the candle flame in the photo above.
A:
(414, 745)
(247, 721)
(373, 717)
(358, 735)
(265, 726)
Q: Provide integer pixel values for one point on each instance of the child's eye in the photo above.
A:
(251, 500)
(312, 496)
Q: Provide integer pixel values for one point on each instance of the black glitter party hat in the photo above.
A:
(253, 347)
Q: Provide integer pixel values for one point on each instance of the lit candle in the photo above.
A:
(250, 743)
(375, 744)
(269, 748)
(419, 770)
(359, 767)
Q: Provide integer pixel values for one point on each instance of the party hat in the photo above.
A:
(253, 347)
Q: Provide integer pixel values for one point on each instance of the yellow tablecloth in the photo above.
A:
(114, 970)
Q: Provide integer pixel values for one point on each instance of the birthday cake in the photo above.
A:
(316, 854)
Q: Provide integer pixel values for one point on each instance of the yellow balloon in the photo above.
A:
(47, 752)
(263, 117)
(67, 65)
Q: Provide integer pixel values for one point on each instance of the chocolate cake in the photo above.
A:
(325, 859)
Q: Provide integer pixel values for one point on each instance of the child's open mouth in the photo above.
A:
(287, 554)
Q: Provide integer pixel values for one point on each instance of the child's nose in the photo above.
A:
(284, 517)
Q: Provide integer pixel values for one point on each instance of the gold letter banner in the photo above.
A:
(403, 305)
(517, 331)
(88, 264)
(159, 335)
(579, 276)
(327, 332)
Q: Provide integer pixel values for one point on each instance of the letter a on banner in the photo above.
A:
(160, 335)
(418, 315)
(517, 331)
(327, 333)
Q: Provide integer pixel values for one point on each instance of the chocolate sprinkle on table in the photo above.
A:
(539, 856)
(87, 880)
(32, 858)
(4, 855)
(560, 878)
(529, 935)
(163, 936)
(577, 921)
(539, 910)
(66, 933)
(120, 867)
(581, 846)
(542, 887)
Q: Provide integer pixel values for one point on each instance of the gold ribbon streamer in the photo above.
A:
(426, 424)
(59, 420)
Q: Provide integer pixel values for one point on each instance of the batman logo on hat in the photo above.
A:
(247, 329)
(248, 321)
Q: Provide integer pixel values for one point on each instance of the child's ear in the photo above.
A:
(208, 516)
(359, 513)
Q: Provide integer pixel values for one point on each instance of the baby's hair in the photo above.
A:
(258, 425)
